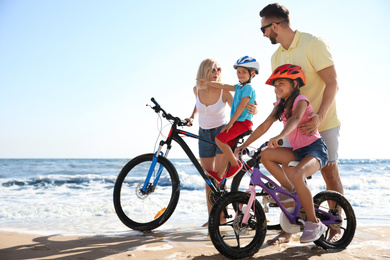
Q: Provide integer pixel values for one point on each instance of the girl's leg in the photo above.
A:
(306, 167)
(271, 158)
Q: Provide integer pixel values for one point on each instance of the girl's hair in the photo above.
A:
(287, 105)
(205, 69)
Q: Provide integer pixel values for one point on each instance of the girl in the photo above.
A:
(311, 151)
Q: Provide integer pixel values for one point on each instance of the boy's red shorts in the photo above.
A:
(237, 129)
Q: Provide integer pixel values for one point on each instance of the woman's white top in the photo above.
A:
(211, 116)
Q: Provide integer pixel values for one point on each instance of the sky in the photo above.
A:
(75, 76)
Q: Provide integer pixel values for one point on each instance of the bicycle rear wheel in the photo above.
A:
(335, 203)
(146, 210)
(232, 239)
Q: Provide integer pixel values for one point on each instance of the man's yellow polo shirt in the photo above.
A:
(311, 54)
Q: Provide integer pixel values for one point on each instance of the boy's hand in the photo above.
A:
(227, 127)
(202, 82)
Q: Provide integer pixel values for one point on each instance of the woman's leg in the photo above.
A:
(211, 164)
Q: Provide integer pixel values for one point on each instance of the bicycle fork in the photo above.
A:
(251, 203)
(146, 189)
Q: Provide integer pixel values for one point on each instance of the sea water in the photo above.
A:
(75, 196)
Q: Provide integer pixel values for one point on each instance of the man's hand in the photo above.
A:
(311, 126)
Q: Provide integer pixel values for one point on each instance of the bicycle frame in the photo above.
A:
(174, 135)
(272, 188)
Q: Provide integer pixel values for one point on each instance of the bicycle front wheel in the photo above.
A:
(146, 210)
(231, 237)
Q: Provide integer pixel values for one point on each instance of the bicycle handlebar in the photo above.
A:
(176, 120)
(255, 157)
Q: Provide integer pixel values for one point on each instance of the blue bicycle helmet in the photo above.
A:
(247, 62)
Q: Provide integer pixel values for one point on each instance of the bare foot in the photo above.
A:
(283, 237)
(334, 235)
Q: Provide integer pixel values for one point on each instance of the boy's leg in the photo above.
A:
(223, 139)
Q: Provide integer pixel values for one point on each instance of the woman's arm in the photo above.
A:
(190, 120)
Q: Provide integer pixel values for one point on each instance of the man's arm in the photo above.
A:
(329, 76)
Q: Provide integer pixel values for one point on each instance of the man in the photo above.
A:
(312, 55)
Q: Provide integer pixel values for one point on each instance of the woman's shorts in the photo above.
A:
(207, 150)
(316, 149)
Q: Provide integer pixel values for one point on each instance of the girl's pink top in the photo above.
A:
(296, 138)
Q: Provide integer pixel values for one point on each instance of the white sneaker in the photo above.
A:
(312, 231)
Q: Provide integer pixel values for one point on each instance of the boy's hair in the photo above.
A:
(205, 69)
(276, 11)
(288, 104)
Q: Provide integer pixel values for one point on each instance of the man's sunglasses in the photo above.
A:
(268, 25)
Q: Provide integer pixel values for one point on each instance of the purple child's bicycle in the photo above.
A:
(244, 226)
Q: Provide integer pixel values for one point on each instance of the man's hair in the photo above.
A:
(276, 11)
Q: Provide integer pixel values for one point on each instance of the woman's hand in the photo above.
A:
(252, 108)
(189, 121)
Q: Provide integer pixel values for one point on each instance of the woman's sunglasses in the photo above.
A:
(216, 70)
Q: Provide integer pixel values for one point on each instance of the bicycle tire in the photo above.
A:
(145, 212)
(230, 239)
(347, 227)
(273, 213)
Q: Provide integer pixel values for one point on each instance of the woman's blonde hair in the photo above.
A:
(205, 69)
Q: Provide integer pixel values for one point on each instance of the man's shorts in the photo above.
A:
(238, 128)
(207, 150)
(316, 149)
(331, 139)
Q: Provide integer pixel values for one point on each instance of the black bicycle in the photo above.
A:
(147, 188)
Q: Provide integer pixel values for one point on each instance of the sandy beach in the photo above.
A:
(189, 243)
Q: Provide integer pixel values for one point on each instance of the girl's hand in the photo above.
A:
(273, 142)
(238, 149)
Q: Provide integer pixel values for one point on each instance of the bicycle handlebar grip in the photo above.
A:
(154, 101)
(280, 142)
